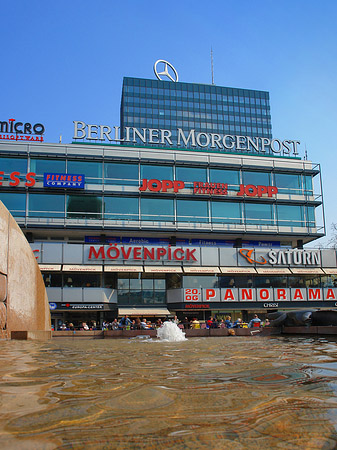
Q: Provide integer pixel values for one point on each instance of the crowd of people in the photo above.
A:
(125, 323)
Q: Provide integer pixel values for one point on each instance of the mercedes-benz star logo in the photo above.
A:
(165, 72)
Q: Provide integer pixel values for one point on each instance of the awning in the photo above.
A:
(162, 269)
(201, 269)
(78, 268)
(123, 268)
(330, 271)
(241, 270)
(162, 312)
(50, 267)
(307, 271)
(273, 271)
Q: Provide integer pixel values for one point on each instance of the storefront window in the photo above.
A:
(52, 279)
(92, 170)
(157, 209)
(75, 279)
(121, 208)
(40, 166)
(226, 212)
(84, 207)
(200, 281)
(192, 211)
(46, 205)
(121, 174)
(15, 203)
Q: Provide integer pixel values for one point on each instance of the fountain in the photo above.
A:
(169, 331)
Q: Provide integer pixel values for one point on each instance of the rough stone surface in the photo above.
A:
(23, 298)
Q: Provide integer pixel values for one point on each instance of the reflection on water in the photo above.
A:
(208, 393)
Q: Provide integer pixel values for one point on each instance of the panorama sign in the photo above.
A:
(190, 138)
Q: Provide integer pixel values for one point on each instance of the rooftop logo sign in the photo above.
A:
(191, 138)
(12, 130)
(165, 72)
(284, 257)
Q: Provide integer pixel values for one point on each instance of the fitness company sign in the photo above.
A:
(190, 138)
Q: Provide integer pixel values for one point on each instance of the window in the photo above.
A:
(230, 177)
(121, 208)
(258, 214)
(192, 211)
(200, 281)
(256, 178)
(156, 172)
(91, 170)
(124, 174)
(157, 209)
(190, 174)
(9, 165)
(288, 183)
(290, 215)
(46, 205)
(40, 166)
(84, 207)
(226, 212)
(15, 203)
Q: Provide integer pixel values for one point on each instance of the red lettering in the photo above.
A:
(96, 255)
(14, 176)
(261, 190)
(137, 253)
(30, 179)
(143, 187)
(210, 293)
(264, 294)
(1, 177)
(190, 254)
(314, 294)
(167, 184)
(281, 294)
(330, 294)
(175, 254)
(251, 190)
(126, 255)
(298, 294)
(149, 253)
(178, 185)
(272, 190)
(154, 185)
(247, 294)
(229, 295)
(161, 252)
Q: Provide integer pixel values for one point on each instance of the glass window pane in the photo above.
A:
(9, 165)
(290, 215)
(226, 212)
(92, 170)
(40, 166)
(288, 183)
(117, 173)
(256, 178)
(84, 206)
(121, 208)
(258, 214)
(192, 211)
(157, 209)
(190, 174)
(224, 176)
(45, 205)
(14, 202)
(200, 281)
(156, 172)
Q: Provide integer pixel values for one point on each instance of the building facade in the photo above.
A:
(195, 212)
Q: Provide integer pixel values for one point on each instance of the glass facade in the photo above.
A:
(203, 108)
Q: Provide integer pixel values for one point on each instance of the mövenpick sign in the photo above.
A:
(192, 138)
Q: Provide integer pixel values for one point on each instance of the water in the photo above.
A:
(202, 393)
(170, 332)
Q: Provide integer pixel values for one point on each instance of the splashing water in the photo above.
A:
(169, 331)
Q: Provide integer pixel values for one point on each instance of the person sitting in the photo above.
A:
(228, 322)
(195, 324)
(255, 322)
(267, 322)
(237, 323)
(143, 324)
(114, 324)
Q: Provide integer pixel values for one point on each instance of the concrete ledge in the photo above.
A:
(96, 334)
(310, 330)
(31, 335)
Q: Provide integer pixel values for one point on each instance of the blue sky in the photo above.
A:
(63, 61)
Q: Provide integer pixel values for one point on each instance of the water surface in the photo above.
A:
(202, 393)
